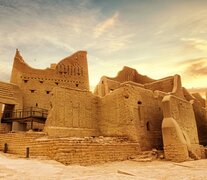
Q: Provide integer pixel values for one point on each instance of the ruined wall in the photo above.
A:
(182, 112)
(108, 84)
(130, 74)
(37, 84)
(179, 129)
(5, 127)
(130, 111)
(12, 97)
(73, 113)
(133, 112)
(165, 85)
(199, 98)
(35, 126)
(170, 85)
(1, 110)
(84, 151)
(11, 94)
(200, 112)
(201, 121)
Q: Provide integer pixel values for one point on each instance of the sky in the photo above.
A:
(158, 38)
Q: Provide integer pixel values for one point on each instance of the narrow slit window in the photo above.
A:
(148, 126)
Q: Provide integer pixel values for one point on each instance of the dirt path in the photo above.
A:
(12, 167)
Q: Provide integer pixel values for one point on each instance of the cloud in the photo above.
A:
(193, 72)
(104, 26)
(201, 91)
(196, 43)
(46, 31)
(196, 67)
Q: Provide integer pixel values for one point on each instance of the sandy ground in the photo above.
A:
(12, 167)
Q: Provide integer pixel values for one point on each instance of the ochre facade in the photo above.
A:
(150, 113)
(36, 84)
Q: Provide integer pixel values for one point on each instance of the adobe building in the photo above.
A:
(131, 112)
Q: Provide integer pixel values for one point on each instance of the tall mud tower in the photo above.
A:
(37, 84)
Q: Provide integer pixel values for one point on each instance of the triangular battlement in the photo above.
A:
(18, 56)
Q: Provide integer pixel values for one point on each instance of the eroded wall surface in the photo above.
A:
(171, 84)
(201, 121)
(180, 134)
(133, 112)
(84, 151)
(73, 113)
(11, 94)
(108, 84)
(129, 111)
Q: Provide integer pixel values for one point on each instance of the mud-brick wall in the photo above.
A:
(37, 84)
(201, 122)
(182, 112)
(179, 129)
(83, 151)
(165, 85)
(5, 127)
(133, 112)
(73, 113)
(91, 152)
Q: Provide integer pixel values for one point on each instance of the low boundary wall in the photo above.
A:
(83, 151)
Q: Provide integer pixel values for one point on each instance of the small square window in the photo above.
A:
(47, 92)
